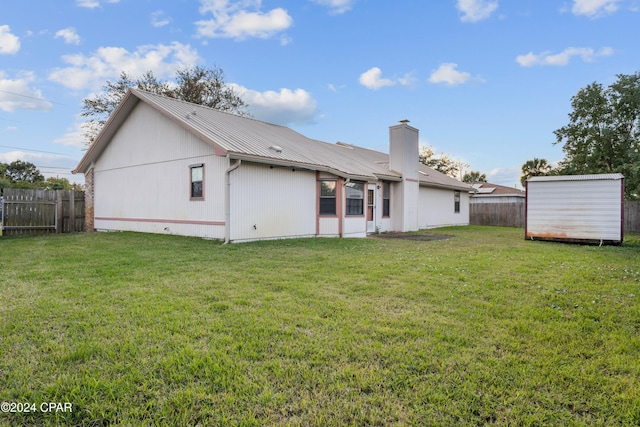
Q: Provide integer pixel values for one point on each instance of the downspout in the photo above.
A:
(227, 200)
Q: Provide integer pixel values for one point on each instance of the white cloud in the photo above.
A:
(69, 35)
(372, 79)
(240, 20)
(476, 10)
(448, 74)
(594, 8)
(92, 4)
(9, 43)
(509, 177)
(561, 59)
(284, 107)
(336, 7)
(49, 165)
(159, 19)
(16, 94)
(74, 137)
(90, 72)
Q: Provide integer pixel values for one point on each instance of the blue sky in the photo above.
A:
(485, 81)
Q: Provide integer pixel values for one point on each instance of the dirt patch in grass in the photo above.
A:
(411, 236)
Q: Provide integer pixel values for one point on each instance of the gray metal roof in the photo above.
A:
(249, 139)
(592, 177)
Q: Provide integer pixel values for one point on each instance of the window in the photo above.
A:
(355, 198)
(197, 173)
(456, 202)
(327, 197)
(386, 199)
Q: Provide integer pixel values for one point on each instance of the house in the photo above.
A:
(162, 165)
(485, 192)
(576, 208)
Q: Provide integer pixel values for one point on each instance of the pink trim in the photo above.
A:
(622, 211)
(219, 152)
(166, 221)
(411, 180)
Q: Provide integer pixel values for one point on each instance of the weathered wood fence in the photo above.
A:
(29, 212)
(632, 215)
(509, 214)
(512, 214)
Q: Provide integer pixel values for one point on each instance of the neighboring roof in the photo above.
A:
(594, 177)
(253, 140)
(486, 189)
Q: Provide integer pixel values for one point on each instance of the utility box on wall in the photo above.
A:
(576, 208)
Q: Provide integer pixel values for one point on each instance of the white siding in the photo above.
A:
(272, 203)
(573, 209)
(355, 226)
(142, 180)
(436, 208)
(329, 227)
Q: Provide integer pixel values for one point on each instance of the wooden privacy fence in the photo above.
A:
(512, 214)
(509, 214)
(29, 212)
(632, 215)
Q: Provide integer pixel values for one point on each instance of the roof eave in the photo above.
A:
(446, 187)
(293, 164)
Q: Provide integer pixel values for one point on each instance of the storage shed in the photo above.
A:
(576, 208)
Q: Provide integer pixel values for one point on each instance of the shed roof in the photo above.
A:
(592, 177)
(248, 139)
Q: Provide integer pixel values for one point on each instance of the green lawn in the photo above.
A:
(483, 328)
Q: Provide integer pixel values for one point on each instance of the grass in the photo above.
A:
(482, 329)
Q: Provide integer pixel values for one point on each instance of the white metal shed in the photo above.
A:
(576, 208)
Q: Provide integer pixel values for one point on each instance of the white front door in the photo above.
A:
(371, 208)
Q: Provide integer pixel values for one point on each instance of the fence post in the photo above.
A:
(72, 211)
(59, 213)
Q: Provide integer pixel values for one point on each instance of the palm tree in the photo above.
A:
(535, 167)
(474, 176)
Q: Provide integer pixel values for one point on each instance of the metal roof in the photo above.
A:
(592, 177)
(249, 139)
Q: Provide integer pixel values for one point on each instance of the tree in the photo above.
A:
(441, 162)
(23, 174)
(603, 134)
(535, 167)
(57, 184)
(198, 85)
(474, 176)
(4, 181)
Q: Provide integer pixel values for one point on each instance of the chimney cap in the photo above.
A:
(405, 121)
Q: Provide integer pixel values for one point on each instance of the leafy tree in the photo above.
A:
(474, 176)
(23, 174)
(199, 85)
(535, 167)
(4, 181)
(57, 184)
(441, 162)
(603, 134)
